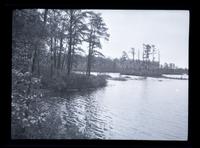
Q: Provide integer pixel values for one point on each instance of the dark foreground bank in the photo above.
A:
(30, 110)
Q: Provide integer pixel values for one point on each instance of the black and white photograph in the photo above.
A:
(100, 74)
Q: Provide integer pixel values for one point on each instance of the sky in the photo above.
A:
(168, 30)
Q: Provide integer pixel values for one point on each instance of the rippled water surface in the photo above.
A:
(145, 109)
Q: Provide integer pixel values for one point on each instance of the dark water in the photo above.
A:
(145, 109)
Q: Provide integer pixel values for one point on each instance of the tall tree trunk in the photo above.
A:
(89, 62)
(63, 61)
(45, 16)
(38, 63)
(59, 56)
(51, 59)
(54, 53)
(32, 68)
(70, 46)
(33, 61)
(72, 57)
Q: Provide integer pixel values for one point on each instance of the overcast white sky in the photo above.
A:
(168, 30)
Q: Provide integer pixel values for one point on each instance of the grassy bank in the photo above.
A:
(119, 79)
(73, 82)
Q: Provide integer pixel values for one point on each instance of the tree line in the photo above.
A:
(49, 39)
(125, 64)
(49, 42)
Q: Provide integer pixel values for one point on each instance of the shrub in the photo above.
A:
(25, 95)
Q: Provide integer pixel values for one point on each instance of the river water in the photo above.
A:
(136, 109)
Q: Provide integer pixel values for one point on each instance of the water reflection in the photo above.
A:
(145, 109)
(82, 113)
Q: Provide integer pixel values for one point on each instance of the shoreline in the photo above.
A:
(160, 76)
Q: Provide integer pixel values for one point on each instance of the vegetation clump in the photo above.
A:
(74, 82)
(119, 79)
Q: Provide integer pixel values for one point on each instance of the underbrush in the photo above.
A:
(27, 110)
(31, 115)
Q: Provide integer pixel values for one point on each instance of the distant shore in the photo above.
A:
(158, 76)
